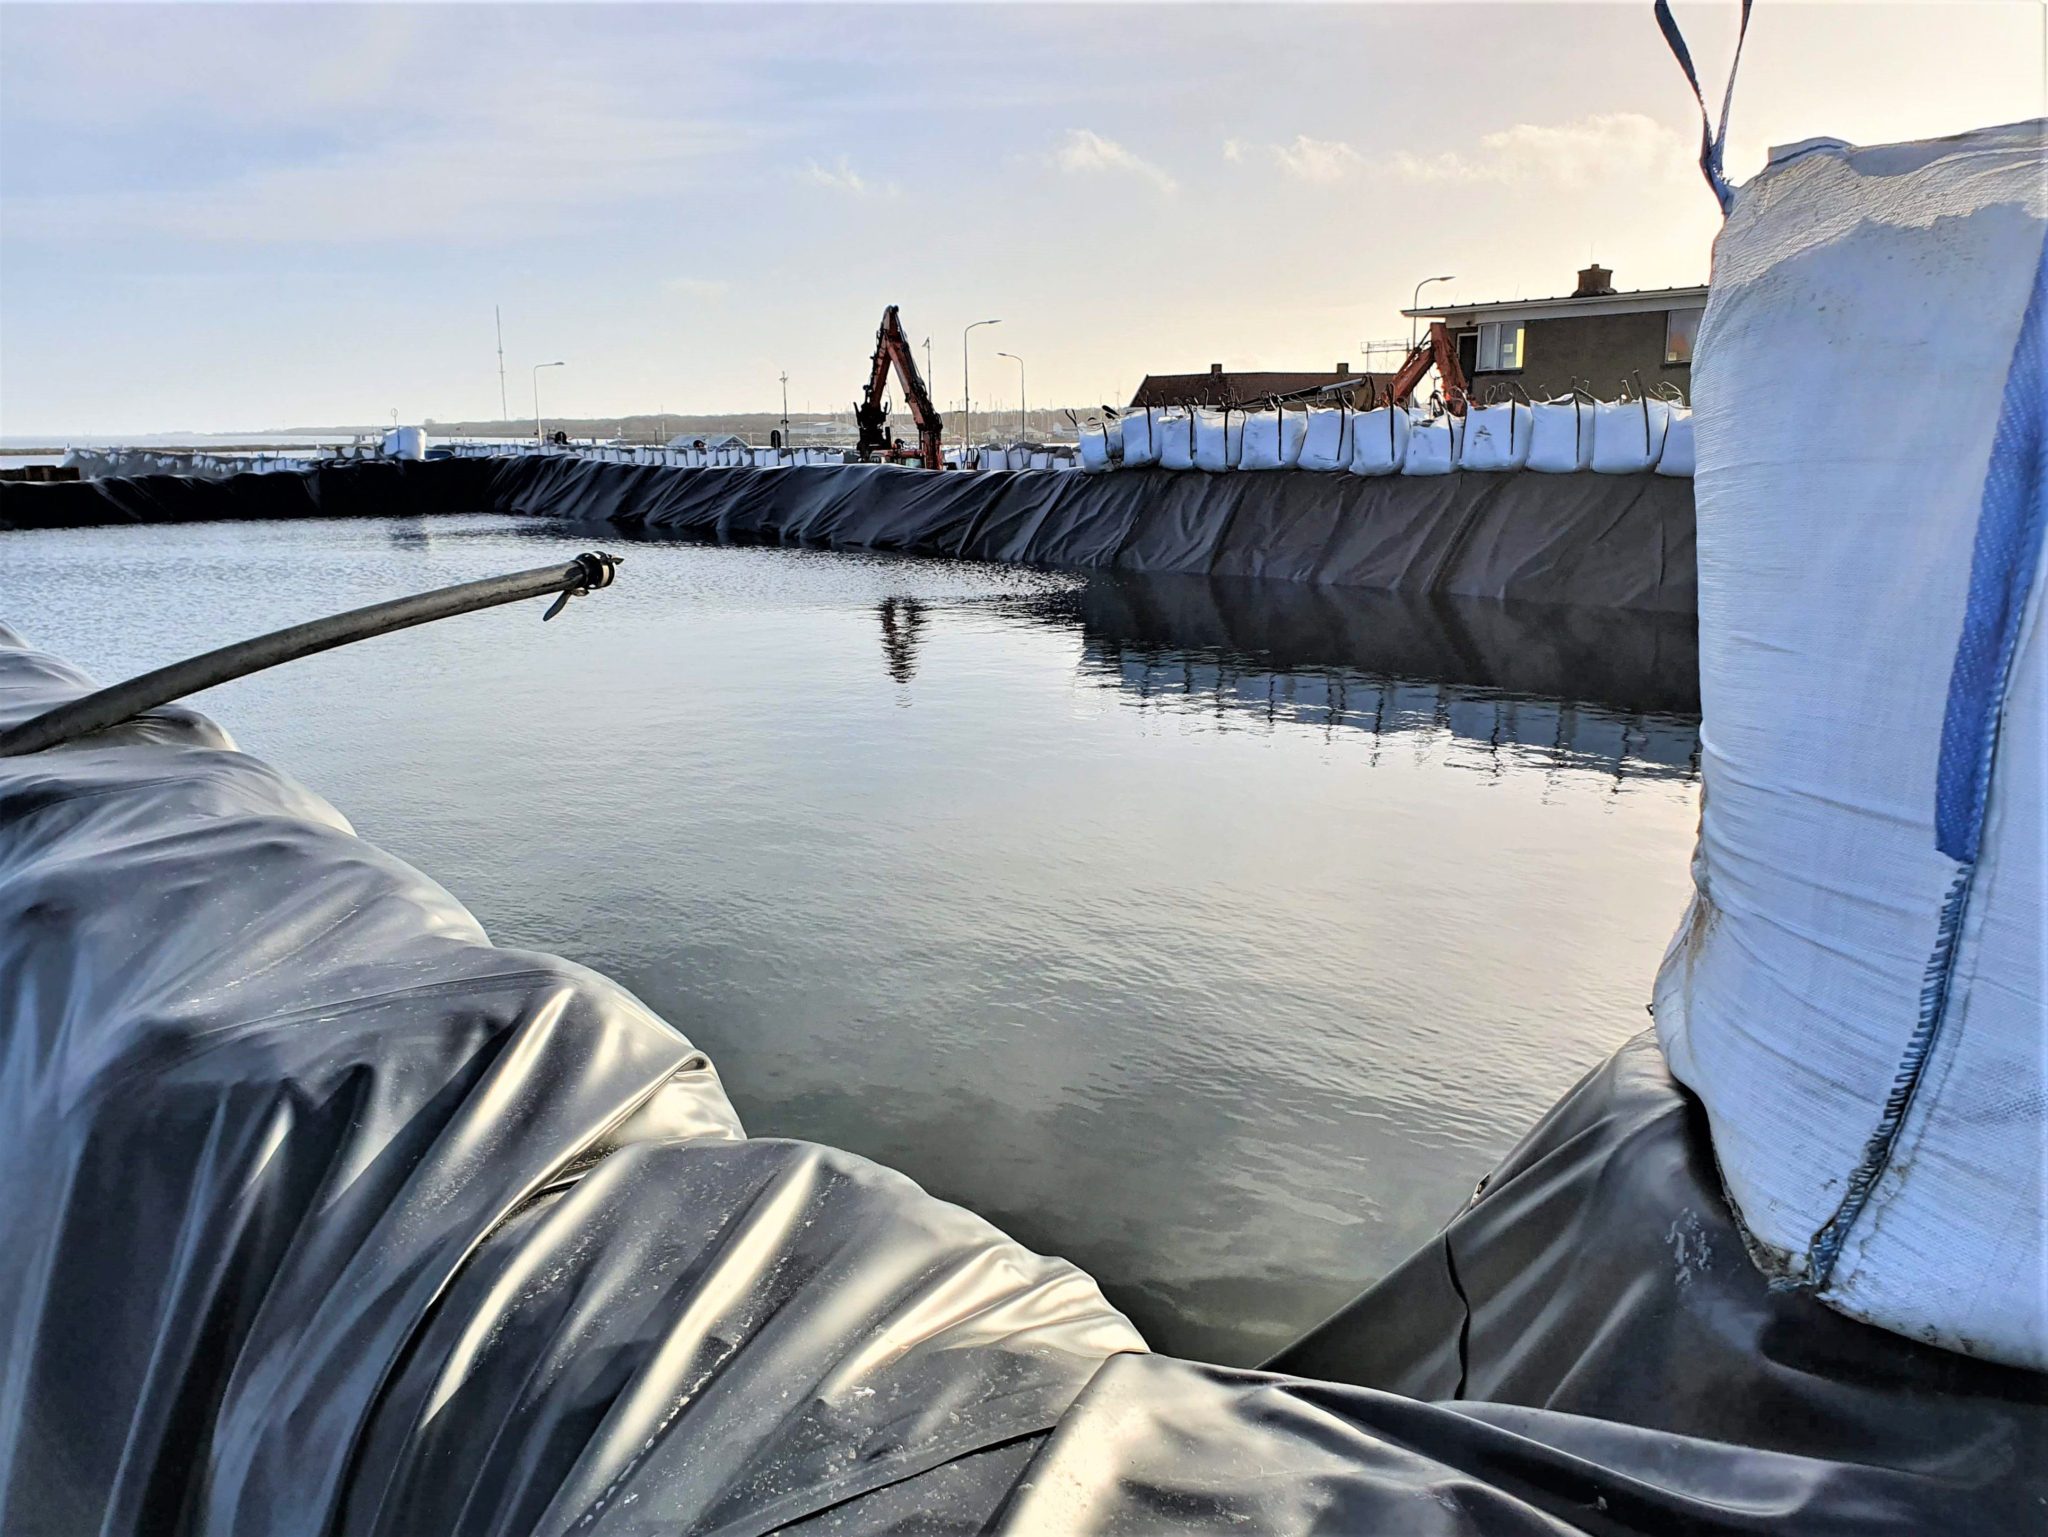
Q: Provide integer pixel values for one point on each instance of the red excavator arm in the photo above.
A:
(1437, 348)
(892, 350)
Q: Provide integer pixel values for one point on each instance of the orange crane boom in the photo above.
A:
(1437, 348)
(892, 351)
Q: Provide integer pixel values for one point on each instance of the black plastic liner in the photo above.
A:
(397, 489)
(1615, 541)
(322, 1214)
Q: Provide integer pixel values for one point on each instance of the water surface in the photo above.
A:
(1217, 936)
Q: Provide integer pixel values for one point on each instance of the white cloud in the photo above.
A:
(476, 172)
(1086, 152)
(840, 176)
(1608, 144)
(1317, 160)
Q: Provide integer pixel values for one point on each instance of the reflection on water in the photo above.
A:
(1560, 689)
(1218, 936)
(902, 623)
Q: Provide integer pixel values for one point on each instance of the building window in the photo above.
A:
(1681, 328)
(1500, 347)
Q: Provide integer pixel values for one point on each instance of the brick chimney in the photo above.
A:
(1594, 281)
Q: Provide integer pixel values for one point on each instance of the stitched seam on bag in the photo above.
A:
(2002, 567)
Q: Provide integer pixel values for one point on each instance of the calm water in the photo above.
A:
(1216, 937)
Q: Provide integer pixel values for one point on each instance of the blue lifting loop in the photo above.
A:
(2012, 525)
(1712, 138)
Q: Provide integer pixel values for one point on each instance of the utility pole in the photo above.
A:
(504, 410)
(1416, 303)
(967, 393)
(1023, 428)
(785, 410)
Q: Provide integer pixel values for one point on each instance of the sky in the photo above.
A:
(250, 217)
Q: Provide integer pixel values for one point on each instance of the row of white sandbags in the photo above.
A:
(1555, 437)
(111, 463)
(1018, 456)
(673, 458)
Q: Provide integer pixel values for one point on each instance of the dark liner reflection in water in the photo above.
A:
(1609, 690)
(1570, 687)
(1382, 664)
(1561, 688)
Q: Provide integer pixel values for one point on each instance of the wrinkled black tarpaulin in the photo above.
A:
(324, 1215)
(1599, 1276)
(1617, 541)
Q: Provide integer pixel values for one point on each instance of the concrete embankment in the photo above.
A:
(1616, 541)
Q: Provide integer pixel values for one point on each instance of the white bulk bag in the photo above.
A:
(402, 443)
(1041, 460)
(1219, 439)
(1379, 441)
(1560, 436)
(1677, 458)
(1433, 446)
(1175, 432)
(1326, 440)
(1140, 438)
(1857, 995)
(1272, 440)
(1495, 438)
(1628, 435)
(1095, 455)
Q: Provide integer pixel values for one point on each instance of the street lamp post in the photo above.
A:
(539, 439)
(1416, 303)
(1023, 424)
(967, 396)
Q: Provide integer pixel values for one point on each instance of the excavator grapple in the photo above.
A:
(892, 350)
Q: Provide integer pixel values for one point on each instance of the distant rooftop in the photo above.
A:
(1595, 295)
(1217, 388)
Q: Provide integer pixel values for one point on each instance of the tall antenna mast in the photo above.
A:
(504, 410)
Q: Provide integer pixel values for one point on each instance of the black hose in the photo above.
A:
(124, 701)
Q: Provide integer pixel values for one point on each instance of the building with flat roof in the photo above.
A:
(1249, 391)
(1593, 335)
